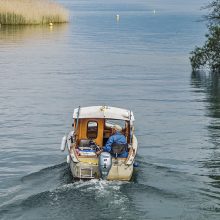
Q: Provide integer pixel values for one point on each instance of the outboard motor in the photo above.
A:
(105, 164)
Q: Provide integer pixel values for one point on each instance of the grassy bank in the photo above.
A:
(31, 12)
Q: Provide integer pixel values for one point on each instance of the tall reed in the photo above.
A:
(32, 12)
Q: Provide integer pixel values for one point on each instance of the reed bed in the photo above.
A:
(32, 12)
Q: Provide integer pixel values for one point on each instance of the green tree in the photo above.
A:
(213, 16)
(209, 54)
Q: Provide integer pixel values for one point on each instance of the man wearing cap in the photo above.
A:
(117, 138)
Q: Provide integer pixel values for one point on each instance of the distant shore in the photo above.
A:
(16, 12)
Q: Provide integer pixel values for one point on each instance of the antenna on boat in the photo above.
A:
(77, 120)
(130, 129)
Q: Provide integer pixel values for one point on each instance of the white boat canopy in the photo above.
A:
(103, 112)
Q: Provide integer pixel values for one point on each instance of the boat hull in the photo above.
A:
(88, 167)
(118, 171)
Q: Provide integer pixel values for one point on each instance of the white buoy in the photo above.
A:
(63, 143)
(117, 17)
(51, 24)
(154, 11)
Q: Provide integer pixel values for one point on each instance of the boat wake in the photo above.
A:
(54, 190)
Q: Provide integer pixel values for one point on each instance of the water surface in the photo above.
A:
(140, 63)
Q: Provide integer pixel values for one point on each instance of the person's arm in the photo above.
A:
(108, 145)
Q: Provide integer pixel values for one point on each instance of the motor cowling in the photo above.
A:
(105, 164)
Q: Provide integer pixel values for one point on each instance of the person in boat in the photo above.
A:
(116, 144)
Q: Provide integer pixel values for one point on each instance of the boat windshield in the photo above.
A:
(109, 123)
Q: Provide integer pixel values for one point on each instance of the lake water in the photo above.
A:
(140, 62)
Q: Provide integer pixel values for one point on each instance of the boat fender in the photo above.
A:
(68, 159)
(105, 164)
(63, 143)
(135, 164)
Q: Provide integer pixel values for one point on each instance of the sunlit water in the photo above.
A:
(139, 62)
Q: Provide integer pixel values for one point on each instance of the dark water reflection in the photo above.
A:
(209, 84)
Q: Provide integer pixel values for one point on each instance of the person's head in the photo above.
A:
(116, 128)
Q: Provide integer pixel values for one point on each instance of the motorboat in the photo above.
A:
(92, 126)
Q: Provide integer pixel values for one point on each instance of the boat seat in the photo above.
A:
(86, 147)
